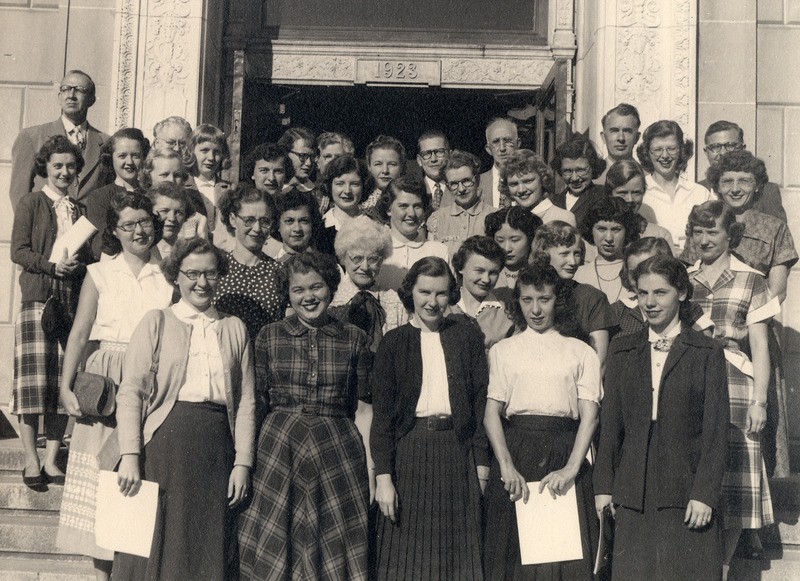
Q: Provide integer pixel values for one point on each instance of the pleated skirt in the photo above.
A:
(655, 545)
(437, 535)
(79, 501)
(307, 518)
(538, 445)
(190, 457)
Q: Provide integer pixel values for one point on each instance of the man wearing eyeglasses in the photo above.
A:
(502, 139)
(433, 149)
(75, 96)
(724, 136)
(465, 217)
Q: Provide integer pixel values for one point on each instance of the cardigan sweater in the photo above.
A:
(32, 239)
(691, 430)
(133, 403)
(397, 384)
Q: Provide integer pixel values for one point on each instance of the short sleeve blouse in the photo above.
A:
(543, 374)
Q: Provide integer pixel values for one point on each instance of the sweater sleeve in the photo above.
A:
(480, 385)
(22, 251)
(384, 392)
(611, 428)
(245, 429)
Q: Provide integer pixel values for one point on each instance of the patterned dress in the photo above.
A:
(251, 293)
(308, 514)
(737, 299)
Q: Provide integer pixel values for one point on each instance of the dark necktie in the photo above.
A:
(437, 195)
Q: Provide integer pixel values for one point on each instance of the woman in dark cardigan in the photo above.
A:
(427, 441)
(661, 463)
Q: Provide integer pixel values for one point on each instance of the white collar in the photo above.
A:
(736, 265)
(185, 312)
(401, 242)
(630, 302)
(201, 181)
(541, 208)
(53, 195)
(671, 334)
(528, 332)
(69, 126)
(432, 183)
(490, 301)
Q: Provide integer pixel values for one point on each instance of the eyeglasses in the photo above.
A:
(581, 172)
(727, 146)
(505, 141)
(249, 221)
(729, 183)
(304, 157)
(373, 260)
(466, 183)
(659, 151)
(69, 88)
(194, 275)
(428, 153)
(172, 143)
(145, 223)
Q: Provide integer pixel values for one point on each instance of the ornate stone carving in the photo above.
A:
(313, 67)
(126, 56)
(638, 64)
(564, 12)
(167, 55)
(639, 13)
(171, 8)
(525, 73)
(682, 103)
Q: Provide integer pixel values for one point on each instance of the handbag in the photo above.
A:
(56, 320)
(97, 394)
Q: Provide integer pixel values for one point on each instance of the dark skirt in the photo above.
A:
(190, 457)
(538, 445)
(307, 518)
(655, 545)
(438, 530)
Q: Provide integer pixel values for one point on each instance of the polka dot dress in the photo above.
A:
(251, 293)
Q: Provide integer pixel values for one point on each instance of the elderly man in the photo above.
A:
(75, 96)
(724, 136)
(502, 140)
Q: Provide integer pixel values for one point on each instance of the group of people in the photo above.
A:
(352, 369)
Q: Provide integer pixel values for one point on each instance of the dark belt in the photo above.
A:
(312, 410)
(434, 423)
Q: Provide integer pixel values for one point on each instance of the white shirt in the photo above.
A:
(404, 254)
(570, 200)
(434, 397)
(495, 186)
(543, 374)
(205, 374)
(70, 128)
(659, 358)
(549, 212)
(63, 208)
(660, 208)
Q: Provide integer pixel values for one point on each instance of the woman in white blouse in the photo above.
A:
(548, 388)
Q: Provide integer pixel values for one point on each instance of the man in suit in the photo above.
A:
(502, 140)
(724, 136)
(433, 149)
(621, 132)
(76, 94)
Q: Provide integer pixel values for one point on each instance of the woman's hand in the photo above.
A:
(69, 401)
(601, 501)
(756, 418)
(514, 483)
(128, 477)
(372, 485)
(698, 515)
(238, 485)
(558, 482)
(386, 496)
(67, 265)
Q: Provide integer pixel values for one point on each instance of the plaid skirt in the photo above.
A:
(745, 487)
(37, 365)
(307, 517)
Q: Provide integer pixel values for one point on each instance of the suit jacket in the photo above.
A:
(690, 433)
(30, 141)
(485, 190)
(586, 200)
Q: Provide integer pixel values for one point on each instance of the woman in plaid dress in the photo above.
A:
(307, 518)
(39, 220)
(737, 298)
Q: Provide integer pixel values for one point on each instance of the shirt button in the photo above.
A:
(658, 365)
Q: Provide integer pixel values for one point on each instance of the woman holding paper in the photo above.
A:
(663, 436)
(41, 218)
(547, 386)
(198, 433)
(132, 278)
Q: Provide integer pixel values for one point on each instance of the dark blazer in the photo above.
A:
(691, 430)
(397, 384)
(32, 239)
(30, 141)
(586, 200)
(485, 191)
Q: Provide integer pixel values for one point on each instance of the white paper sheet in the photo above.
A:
(74, 238)
(125, 523)
(548, 528)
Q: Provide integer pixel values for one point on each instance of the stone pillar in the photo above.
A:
(158, 62)
(641, 52)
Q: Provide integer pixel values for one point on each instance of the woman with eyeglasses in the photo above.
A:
(250, 289)
(132, 277)
(578, 164)
(670, 194)
(194, 435)
(301, 145)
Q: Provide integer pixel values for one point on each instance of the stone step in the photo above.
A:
(15, 495)
(41, 567)
(28, 531)
(781, 564)
(12, 457)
